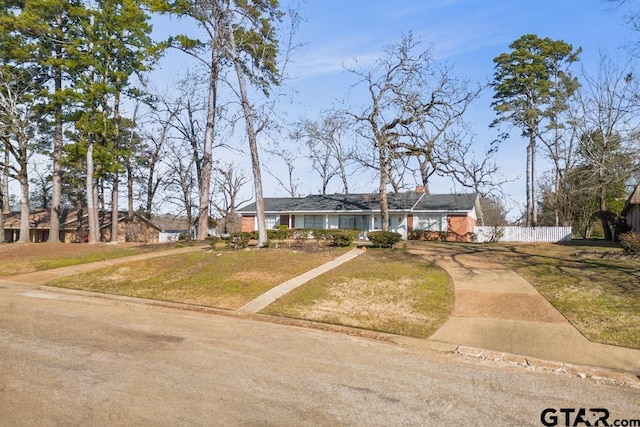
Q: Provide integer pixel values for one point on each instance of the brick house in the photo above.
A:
(456, 214)
(631, 210)
(75, 229)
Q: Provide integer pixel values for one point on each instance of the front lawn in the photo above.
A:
(215, 278)
(381, 290)
(18, 258)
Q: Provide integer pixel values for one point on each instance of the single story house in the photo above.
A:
(631, 210)
(456, 214)
(75, 229)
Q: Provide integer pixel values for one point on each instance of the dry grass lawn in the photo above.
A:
(387, 291)
(216, 278)
(17, 258)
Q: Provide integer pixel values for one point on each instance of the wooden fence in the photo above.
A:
(522, 234)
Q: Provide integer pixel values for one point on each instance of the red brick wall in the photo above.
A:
(459, 226)
(248, 223)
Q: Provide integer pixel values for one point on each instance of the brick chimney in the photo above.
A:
(420, 189)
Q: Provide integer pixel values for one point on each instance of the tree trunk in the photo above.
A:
(5, 183)
(528, 221)
(116, 175)
(24, 205)
(91, 198)
(130, 193)
(603, 215)
(2, 236)
(58, 146)
(207, 160)
(534, 205)
(382, 190)
(114, 208)
(2, 203)
(253, 143)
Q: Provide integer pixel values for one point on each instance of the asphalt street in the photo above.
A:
(70, 359)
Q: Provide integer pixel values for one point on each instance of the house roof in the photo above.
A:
(634, 199)
(40, 219)
(409, 201)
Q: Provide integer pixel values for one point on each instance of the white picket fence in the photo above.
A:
(522, 234)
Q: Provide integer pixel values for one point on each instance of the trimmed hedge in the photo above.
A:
(337, 237)
(384, 239)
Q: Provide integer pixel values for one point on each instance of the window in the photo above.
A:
(430, 222)
(355, 222)
(272, 221)
(314, 221)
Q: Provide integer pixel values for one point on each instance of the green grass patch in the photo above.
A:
(382, 290)
(223, 279)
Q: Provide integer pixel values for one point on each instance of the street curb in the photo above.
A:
(597, 374)
(472, 354)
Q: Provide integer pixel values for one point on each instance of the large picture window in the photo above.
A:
(314, 221)
(430, 222)
(355, 222)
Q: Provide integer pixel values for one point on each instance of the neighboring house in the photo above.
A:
(173, 235)
(631, 210)
(75, 229)
(413, 210)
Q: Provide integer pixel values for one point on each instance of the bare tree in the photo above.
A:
(228, 181)
(325, 141)
(606, 122)
(290, 184)
(179, 187)
(154, 147)
(411, 103)
(41, 194)
(18, 123)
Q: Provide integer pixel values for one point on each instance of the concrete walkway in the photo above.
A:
(273, 294)
(496, 309)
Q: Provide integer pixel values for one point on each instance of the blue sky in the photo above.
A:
(467, 34)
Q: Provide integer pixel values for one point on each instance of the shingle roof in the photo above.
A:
(367, 202)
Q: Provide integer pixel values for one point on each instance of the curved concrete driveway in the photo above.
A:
(497, 309)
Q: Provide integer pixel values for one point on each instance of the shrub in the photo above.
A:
(321, 234)
(280, 233)
(630, 243)
(271, 244)
(428, 235)
(384, 239)
(240, 238)
(342, 238)
(213, 240)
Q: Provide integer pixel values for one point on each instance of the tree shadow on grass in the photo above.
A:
(624, 275)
